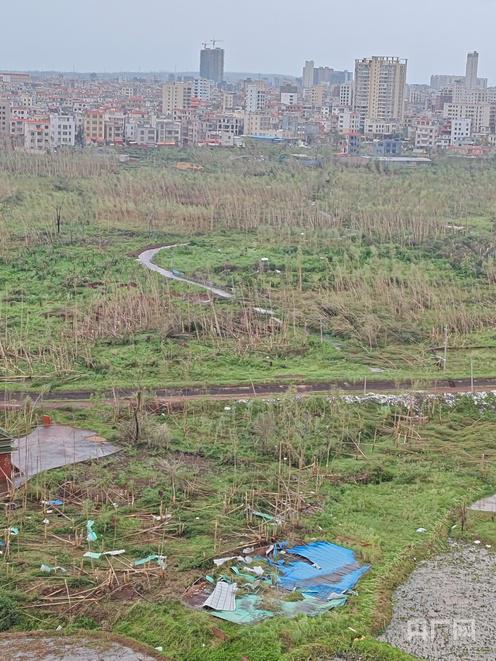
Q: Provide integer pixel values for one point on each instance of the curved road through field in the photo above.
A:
(146, 259)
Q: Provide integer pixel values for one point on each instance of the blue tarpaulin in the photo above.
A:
(323, 574)
(331, 569)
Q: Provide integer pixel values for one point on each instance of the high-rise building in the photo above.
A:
(380, 88)
(471, 70)
(212, 63)
(308, 74)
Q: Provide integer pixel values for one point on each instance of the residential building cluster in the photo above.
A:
(372, 109)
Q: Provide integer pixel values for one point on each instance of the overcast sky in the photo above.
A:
(266, 36)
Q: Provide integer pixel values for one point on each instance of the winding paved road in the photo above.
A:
(146, 259)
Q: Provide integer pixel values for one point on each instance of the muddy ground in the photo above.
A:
(447, 608)
(71, 648)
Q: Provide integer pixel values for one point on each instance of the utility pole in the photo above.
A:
(445, 347)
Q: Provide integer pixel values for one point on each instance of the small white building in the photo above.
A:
(426, 133)
(62, 131)
(461, 132)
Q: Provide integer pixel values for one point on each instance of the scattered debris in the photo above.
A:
(46, 447)
(95, 555)
(91, 534)
(332, 568)
(159, 559)
(222, 598)
(322, 575)
(48, 569)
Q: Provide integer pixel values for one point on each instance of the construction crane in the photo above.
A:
(213, 42)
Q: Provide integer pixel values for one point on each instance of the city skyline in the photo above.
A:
(280, 40)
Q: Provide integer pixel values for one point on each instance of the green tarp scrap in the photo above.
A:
(247, 577)
(247, 611)
(249, 608)
(93, 555)
(48, 569)
(309, 606)
(263, 515)
(159, 559)
(91, 534)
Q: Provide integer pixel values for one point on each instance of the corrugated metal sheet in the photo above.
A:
(333, 569)
(222, 598)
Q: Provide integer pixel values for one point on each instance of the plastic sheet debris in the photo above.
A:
(92, 554)
(13, 531)
(54, 503)
(222, 598)
(91, 534)
(320, 575)
(256, 570)
(330, 568)
(421, 530)
(95, 555)
(247, 611)
(249, 550)
(263, 515)
(246, 577)
(48, 569)
(159, 559)
(218, 562)
(117, 552)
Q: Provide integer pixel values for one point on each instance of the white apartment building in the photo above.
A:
(203, 89)
(62, 131)
(377, 127)
(426, 133)
(461, 132)
(346, 95)
(256, 97)
(347, 120)
(289, 99)
(478, 113)
(232, 124)
(145, 135)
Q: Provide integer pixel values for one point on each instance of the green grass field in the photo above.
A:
(368, 273)
(344, 473)
(80, 312)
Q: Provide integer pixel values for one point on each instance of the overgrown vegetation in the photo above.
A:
(368, 273)
(363, 475)
(337, 274)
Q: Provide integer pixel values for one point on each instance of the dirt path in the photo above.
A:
(446, 610)
(261, 390)
(146, 259)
